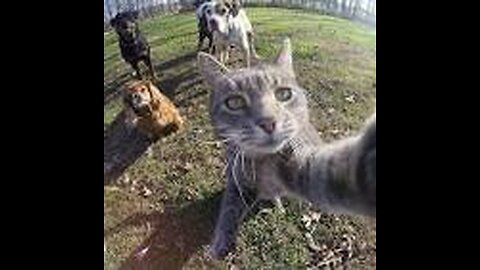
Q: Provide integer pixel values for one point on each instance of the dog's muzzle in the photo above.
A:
(136, 99)
(142, 110)
(213, 25)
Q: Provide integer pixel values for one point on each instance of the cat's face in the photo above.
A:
(260, 108)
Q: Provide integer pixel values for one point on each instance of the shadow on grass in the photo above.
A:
(111, 90)
(171, 85)
(171, 64)
(167, 85)
(179, 233)
(121, 147)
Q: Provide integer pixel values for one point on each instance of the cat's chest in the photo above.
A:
(264, 175)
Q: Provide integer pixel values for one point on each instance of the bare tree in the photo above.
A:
(371, 7)
(117, 6)
(354, 7)
(108, 8)
(343, 6)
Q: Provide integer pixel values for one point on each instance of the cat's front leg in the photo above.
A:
(234, 205)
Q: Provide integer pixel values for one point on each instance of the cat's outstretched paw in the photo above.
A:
(214, 254)
(219, 250)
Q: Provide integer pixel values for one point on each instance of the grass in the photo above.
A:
(165, 195)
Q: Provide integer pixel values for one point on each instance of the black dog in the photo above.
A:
(133, 45)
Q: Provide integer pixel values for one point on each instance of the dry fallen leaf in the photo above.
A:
(350, 98)
(125, 179)
(146, 192)
(306, 220)
(335, 131)
(316, 216)
(142, 253)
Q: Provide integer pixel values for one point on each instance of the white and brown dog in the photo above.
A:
(203, 31)
(228, 22)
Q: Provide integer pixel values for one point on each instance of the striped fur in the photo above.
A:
(291, 160)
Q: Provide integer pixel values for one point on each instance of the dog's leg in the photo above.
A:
(148, 62)
(221, 53)
(211, 47)
(226, 54)
(201, 38)
(178, 123)
(252, 46)
(246, 53)
(137, 69)
(246, 57)
(218, 43)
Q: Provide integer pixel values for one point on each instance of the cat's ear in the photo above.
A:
(284, 57)
(212, 70)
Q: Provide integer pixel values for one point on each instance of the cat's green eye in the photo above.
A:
(235, 103)
(283, 94)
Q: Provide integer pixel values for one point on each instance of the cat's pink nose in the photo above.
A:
(267, 124)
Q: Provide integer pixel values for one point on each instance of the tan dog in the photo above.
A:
(149, 110)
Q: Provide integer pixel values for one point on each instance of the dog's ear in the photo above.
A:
(212, 70)
(284, 57)
(235, 7)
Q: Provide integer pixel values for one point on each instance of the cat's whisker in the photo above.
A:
(236, 156)
(229, 137)
(255, 202)
(243, 163)
(254, 172)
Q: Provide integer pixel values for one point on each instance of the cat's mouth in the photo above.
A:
(267, 145)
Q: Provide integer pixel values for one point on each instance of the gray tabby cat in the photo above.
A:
(272, 149)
